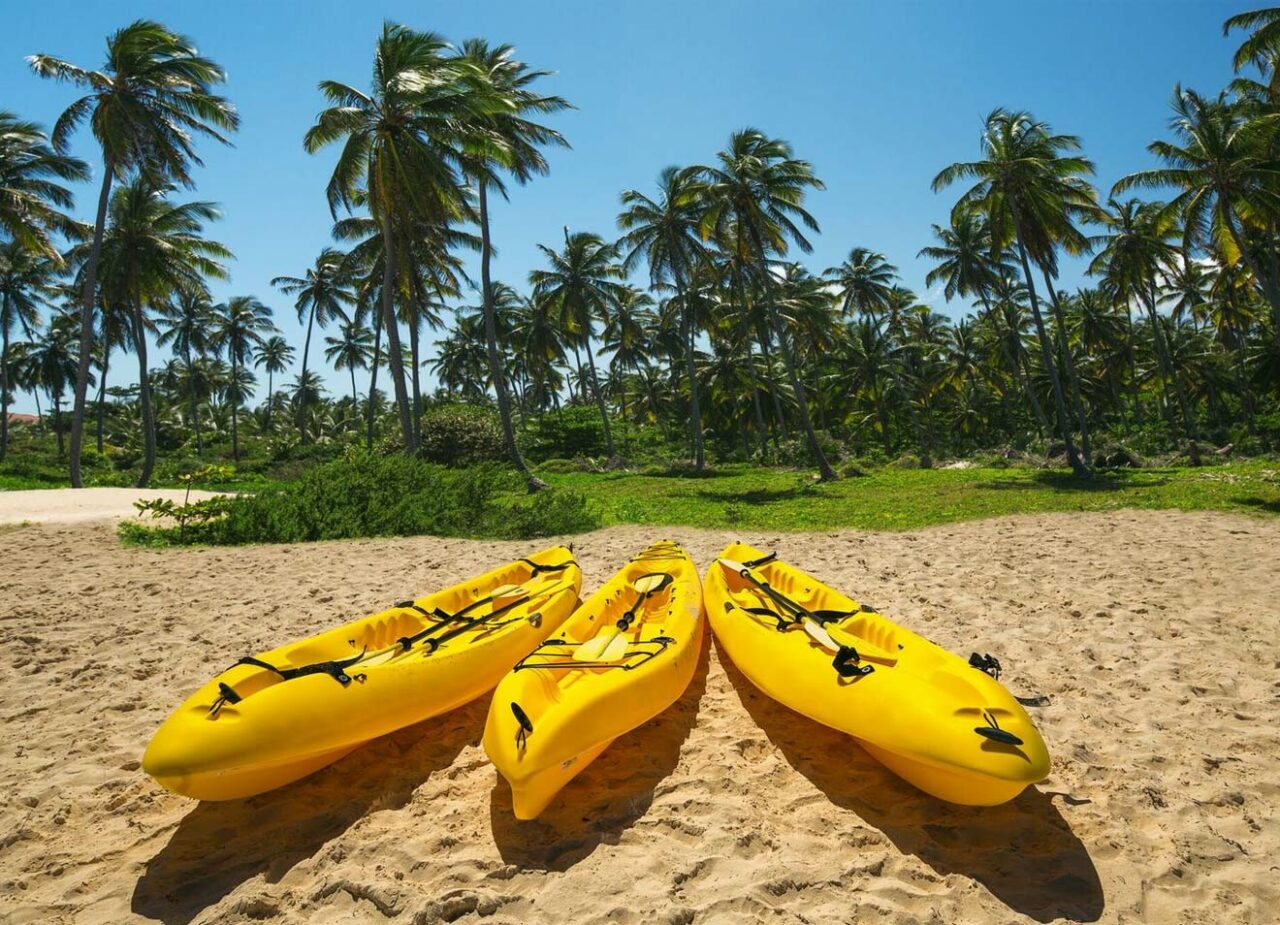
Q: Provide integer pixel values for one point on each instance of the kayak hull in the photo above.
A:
(272, 731)
(945, 727)
(575, 713)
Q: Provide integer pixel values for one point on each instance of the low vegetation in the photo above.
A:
(364, 495)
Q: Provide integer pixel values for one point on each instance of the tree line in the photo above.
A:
(730, 340)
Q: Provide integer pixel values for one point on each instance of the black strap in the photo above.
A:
(987, 664)
(847, 663)
(538, 568)
(993, 731)
(335, 669)
(763, 560)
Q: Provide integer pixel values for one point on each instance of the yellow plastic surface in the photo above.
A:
(577, 712)
(916, 712)
(281, 730)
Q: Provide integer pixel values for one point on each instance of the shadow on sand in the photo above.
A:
(612, 792)
(1024, 852)
(218, 846)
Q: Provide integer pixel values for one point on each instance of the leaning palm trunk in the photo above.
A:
(395, 358)
(780, 419)
(491, 343)
(414, 379)
(1171, 377)
(761, 437)
(1013, 360)
(599, 396)
(1069, 364)
(87, 295)
(144, 397)
(4, 382)
(195, 405)
(825, 472)
(695, 409)
(373, 375)
(102, 390)
(302, 380)
(1046, 357)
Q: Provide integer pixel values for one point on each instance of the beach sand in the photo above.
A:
(63, 506)
(1154, 636)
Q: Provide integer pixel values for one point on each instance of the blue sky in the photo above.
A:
(878, 96)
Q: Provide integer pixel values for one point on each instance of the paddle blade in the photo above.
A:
(820, 635)
(506, 592)
(616, 650)
(654, 581)
(736, 567)
(593, 649)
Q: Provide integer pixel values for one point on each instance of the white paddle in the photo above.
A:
(817, 632)
(612, 646)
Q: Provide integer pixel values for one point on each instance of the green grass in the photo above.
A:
(906, 499)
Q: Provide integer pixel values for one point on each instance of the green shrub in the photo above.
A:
(550, 513)
(560, 466)
(575, 430)
(906, 461)
(461, 435)
(369, 495)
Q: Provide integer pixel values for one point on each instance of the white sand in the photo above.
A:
(1153, 635)
(65, 506)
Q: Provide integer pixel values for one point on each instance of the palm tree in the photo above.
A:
(152, 248)
(31, 195)
(504, 138)
(399, 156)
(1262, 47)
(50, 363)
(1136, 252)
(185, 327)
(665, 233)
(144, 107)
(322, 296)
(1225, 175)
(26, 282)
(352, 351)
(626, 335)
(864, 281)
(1029, 191)
(238, 327)
(584, 283)
(759, 187)
(275, 355)
(966, 267)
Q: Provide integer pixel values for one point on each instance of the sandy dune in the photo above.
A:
(1154, 637)
(63, 506)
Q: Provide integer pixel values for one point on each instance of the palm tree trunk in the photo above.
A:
(373, 375)
(235, 408)
(1069, 364)
(395, 358)
(532, 482)
(779, 417)
(595, 388)
(695, 408)
(87, 298)
(302, 380)
(102, 388)
(1046, 357)
(195, 405)
(1014, 361)
(57, 423)
(415, 380)
(144, 396)
(761, 436)
(1171, 376)
(4, 378)
(355, 398)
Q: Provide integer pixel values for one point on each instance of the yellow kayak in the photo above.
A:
(946, 726)
(624, 656)
(273, 718)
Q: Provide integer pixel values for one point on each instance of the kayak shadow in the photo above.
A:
(1023, 852)
(219, 845)
(610, 794)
